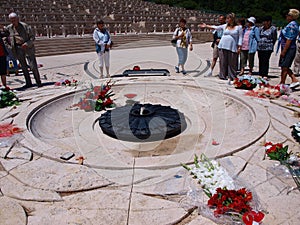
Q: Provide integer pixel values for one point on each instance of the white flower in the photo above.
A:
(212, 176)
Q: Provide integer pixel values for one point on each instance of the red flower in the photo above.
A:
(108, 102)
(136, 68)
(88, 94)
(97, 89)
(130, 95)
(230, 200)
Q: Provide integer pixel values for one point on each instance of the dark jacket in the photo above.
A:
(26, 33)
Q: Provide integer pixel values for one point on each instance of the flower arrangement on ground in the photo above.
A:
(248, 82)
(224, 196)
(280, 153)
(291, 101)
(269, 91)
(8, 97)
(67, 82)
(97, 98)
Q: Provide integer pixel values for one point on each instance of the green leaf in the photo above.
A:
(185, 166)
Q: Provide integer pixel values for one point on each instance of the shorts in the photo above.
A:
(215, 52)
(3, 65)
(288, 59)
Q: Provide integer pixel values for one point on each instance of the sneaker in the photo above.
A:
(209, 74)
(176, 69)
(295, 84)
(229, 82)
(183, 72)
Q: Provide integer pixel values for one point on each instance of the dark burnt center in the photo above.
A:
(142, 122)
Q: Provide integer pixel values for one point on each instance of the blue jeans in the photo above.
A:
(182, 55)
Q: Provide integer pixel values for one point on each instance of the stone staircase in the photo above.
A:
(71, 45)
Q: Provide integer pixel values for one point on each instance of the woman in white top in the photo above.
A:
(184, 40)
(229, 46)
(103, 42)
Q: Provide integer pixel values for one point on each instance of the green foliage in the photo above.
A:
(8, 98)
(281, 154)
(245, 8)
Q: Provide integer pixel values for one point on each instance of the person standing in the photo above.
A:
(249, 45)
(103, 42)
(183, 36)
(3, 54)
(297, 57)
(22, 47)
(288, 37)
(268, 38)
(12, 64)
(217, 34)
(229, 46)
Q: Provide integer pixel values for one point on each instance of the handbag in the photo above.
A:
(174, 42)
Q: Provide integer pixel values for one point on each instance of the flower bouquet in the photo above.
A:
(248, 82)
(97, 98)
(245, 82)
(269, 91)
(291, 101)
(229, 203)
(67, 82)
(8, 97)
(280, 153)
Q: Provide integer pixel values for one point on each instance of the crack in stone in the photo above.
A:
(188, 217)
(131, 191)
(68, 193)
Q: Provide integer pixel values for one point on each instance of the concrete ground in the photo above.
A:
(131, 183)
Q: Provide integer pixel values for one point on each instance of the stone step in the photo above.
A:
(69, 45)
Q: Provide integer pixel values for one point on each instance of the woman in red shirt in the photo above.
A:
(3, 53)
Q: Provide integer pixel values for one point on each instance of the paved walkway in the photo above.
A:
(140, 183)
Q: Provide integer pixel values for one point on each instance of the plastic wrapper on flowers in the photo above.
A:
(290, 160)
(223, 199)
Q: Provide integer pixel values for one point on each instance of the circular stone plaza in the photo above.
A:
(111, 181)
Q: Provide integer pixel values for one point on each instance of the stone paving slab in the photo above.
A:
(11, 212)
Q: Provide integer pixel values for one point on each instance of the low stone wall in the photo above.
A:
(71, 45)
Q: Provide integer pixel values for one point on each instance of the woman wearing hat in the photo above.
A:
(288, 37)
(249, 45)
(268, 37)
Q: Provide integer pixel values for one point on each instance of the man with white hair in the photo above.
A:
(22, 39)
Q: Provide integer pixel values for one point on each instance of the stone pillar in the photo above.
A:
(47, 31)
(76, 29)
(82, 29)
(50, 31)
(63, 30)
